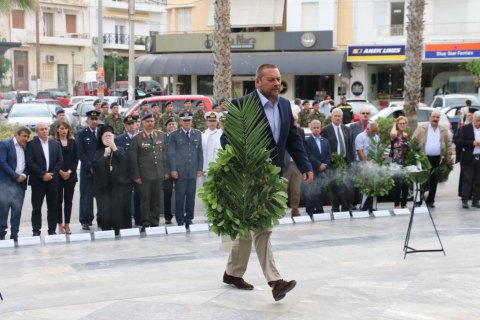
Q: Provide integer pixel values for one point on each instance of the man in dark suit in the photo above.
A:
(469, 141)
(125, 141)
(44, 161)
(13, 181)
(149, 165)
(341, 142)
(185, 159)
(87, 145)
(320, 157)
(283, 136)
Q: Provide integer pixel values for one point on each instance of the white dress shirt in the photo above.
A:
(210, 146)
(45, 152)
(433, 147)
(477, 137)
(273, 115)
(20, 157)
(338, 138)
(319, 143)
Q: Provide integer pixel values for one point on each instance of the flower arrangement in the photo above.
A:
(243, 191)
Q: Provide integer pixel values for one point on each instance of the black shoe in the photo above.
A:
(430, 205)
(51, 233)
(90, 224)
(465, 205)
(142, 230)
(168, 221)
(476, 204)
(14, 237)
(36, 234)
(85, 226)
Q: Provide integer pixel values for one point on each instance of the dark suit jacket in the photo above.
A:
(329, 133)
(316, 158)
(70, 158)
(289, 139)
(124, 141)
(466, 137)
(8, 163)
(86, 147)
(36, 161)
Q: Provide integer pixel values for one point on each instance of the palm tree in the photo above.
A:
(222, 57)
(7, 5)
(413, 60)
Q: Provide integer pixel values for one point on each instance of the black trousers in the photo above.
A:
(471, 180)
(167, 198)
(86, 199)
(39, 192)
(400, 192)
(66, 188)
(431, 185)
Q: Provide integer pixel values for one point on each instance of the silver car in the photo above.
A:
(29, 114)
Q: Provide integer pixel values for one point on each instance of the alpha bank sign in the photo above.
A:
(452, 50)
(376, 53)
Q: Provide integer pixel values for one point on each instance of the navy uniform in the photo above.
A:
(185, 158)
(149, 163)
(125, 141)
(87, 145)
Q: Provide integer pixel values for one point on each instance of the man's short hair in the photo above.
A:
(315, 121)
(262, 67)
(476, 114)
(468, 102)
(371, 124)
(337, 110)
(22, 129)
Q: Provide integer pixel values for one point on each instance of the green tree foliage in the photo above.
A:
(474, 67)
(7, 5)
(243, 191)
(5, 65)
(122, 69)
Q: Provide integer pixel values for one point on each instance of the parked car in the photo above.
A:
(449, 100)
(29, 114)
(76, 99)
(177, 103)
(57, 94)
(423, 115)
(455, 120)
(139, 94)
(48, 101)
(151, 86)
(82, 109)
(120, 100)
(7, 99)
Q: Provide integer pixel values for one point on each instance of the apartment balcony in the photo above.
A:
(394, 30)
(140, 5)
(57, 38)
(118, 41)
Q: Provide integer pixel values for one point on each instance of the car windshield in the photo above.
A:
(22, 111)
(9, 96)
(85, 108)
(43, 95)
(460, 101)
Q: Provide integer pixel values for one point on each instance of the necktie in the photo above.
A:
(341, 142)
(150, 136)
(188, 134)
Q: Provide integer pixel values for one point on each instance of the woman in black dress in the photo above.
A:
(68, 175)
(111, 184)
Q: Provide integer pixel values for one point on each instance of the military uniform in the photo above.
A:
(116, 122)
(185, 156)
(103, 116)
(199, 121)
(303, 118)
(149, 163)
(166, 116)
(315, 116)
(158, 121)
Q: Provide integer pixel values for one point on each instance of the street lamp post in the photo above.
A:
(114, 56)
(73, 73)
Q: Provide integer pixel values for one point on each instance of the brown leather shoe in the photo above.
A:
(281, 288)
(237, 282)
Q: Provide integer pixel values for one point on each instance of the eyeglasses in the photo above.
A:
(365, 112)
(402, 123)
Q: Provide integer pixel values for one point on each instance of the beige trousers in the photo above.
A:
(240, 254)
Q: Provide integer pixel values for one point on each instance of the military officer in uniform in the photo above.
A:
(87, 145)
(303, 114)
(171, 126)
(185, 159)
(97, 104)
(169, 114)
(115, 120)
(316, 114)
(143, 109)
(149, 164)
(104, 111)
(199, 117)
(125, 141)
(157, 116)
(53, 127)
(187, 106)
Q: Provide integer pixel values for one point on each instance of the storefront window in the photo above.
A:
(205, 85)
(314, 87)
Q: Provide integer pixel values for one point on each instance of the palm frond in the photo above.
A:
(7, 5)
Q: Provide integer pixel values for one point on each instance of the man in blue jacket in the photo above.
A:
(13, 181)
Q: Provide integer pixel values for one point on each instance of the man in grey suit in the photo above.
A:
(185, 159)
(341, 142)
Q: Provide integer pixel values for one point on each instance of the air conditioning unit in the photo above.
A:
(50, 58)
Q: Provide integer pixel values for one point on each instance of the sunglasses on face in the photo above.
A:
(365, 112)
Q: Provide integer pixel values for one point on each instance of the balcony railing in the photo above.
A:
(119, 38)
(57, 34)
(393, 30)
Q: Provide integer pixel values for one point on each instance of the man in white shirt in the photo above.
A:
(211, 140)
(13, 181)
(436, 143)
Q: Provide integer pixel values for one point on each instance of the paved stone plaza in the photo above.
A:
(345, 269)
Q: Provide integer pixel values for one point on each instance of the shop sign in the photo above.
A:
(452, 51)
(376, 53)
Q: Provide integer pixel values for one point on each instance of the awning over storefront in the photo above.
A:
(244, 14)
(244, 63)
(4, 46)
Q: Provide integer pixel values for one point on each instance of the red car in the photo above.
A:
(177, 103)
(56, 94)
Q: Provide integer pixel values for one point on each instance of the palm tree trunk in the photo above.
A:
(222, 59)
(413, 60)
